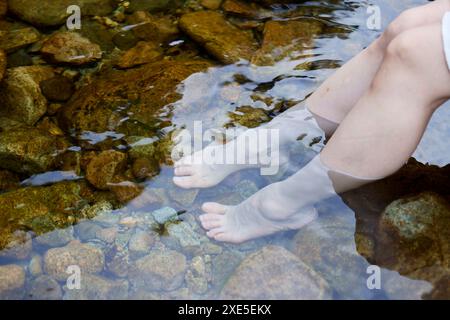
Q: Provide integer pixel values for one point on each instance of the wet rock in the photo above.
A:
(29, 150)
(160, 270)
(44, 288)
(8, 181)
(56, 238)
(416, 231)
(35, 267)
(286, 39)
(275, 273)
(107, 235)
(21, 97)
(3, 63)
(249, 117)
(142, 92)
(244, 9)
(16, 39)
(183, 197)
(87, 230)
(98, 288)
(126, 191)
(141, 243)
(70, 48)
(58, 88)
(103, 169)
(19, 246)
(220, 38)
(101, 212)
(125, 40)
(119, 264)
(99, 34)
(211, 4)
(40, 209)
(402, 288)
(3, 7)
(164, 215)
(196, 276)
(12, 279)
(151, 5)
(142, 53)
(144, 168)
(54, 13)
(20, 58)
(184, 234)
(87, 257)
(151, 28)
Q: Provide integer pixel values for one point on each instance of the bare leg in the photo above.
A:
(375, 140)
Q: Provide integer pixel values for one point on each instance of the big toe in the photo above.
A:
(184, 182)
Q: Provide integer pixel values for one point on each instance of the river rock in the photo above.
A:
(219, 37)
(151, 28)
(183, 197)
(21, 97)
(3, 8)
(98, 288)
(165, 215)
(275, 273)
(244, 9)
(70, 48)
(286, 39)
(89, 258)
(56, 238)
(159, 270)
(151, 5)
(13, 40)
(44, 288)
(196, 276)
(18, 247)
(54, 13)
(142, 91)
(104, 168)
(141, 242)
(29, 150)
(58, 88)
(3, 63)
(35, 267)
(211, 4)
(184, 234)
(12, 279)
(142, 53)
(8, 181)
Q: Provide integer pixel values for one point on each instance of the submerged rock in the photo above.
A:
(98, 288)
(13, 40)
(105, 168)
(151, 5)
(40, 209)
(56, 238)
(12, 279)
(54, 13)
(89, 258)
(275, 273)
(219, 37)
(8, 181)
(44, 288)
(21, 97)
(19, 246)
(160, 270)
(165, 215)
(3, 63)
(3, 8)
(70, 48)
(29, 150)
(151, 28)
(142, 53)
(58, 88)
(140, 92)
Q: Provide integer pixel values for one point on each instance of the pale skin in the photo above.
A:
(382, 100)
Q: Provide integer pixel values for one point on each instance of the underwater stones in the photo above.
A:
(95, 287)
(54, 13)
(183, 197)
(142, 53)
(29, 150)
(12, 279)
(219, 37)
(70, 48)
(275, 273)
(151, 28)
(19, 246)
(164, 215)
(184, 234)
(35, 267)
(142, 91)
(151, 5)
(104, 168)
(143, 168)
(44, 288)
(211, 4)
(243, 9)
(21, 98)
(140, 243)
(3, 8)
(56, 238)
(3, 63)
(89, 258)
(197, 276)
(416, 231)
(16, 39)
(159, 270)
(284, 39)
(58, 88)
(8, 181)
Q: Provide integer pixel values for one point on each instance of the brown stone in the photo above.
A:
(105, 168)
(142, 53)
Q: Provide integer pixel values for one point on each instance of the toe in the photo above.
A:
(214, 232)
(211, 221)
(183, 182)
(213, 207)
(184, 171)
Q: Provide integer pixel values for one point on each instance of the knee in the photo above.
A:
(406, 20)
(405, 49)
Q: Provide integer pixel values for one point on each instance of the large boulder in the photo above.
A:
(21, 98)
(29, 150)
(88, 258)
(142, 92)
(54, 12)
(275, 273)
(220, 38)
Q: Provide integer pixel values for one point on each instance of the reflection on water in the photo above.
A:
(135, 235)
